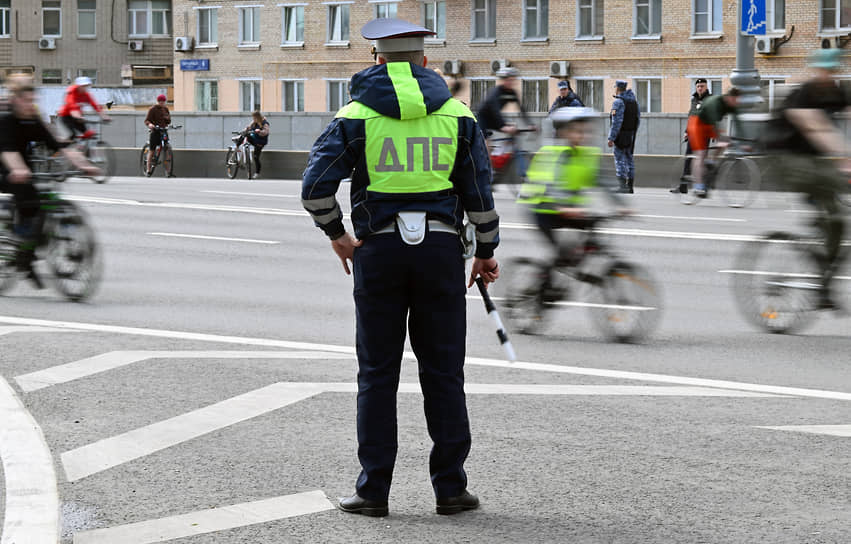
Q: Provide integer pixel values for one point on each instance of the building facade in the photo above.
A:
(120, 43)
(298, 55)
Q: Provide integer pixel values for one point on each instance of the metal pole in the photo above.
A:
(744, 75)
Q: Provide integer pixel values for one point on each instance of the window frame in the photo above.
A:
(542, 94)
(645, 101)
(435, 4)
(343, 87)
(837, 20)
(772, 82)
(652, 7)
(543, 18)
(91, 73)
(6, 21)
(329, 27)
(711, 21)
(298, 9)
(478, 95)
(597, 6)
(58, 80)
(44, 10)
(212, 83)
(298, 100)
(256, 27)
(377, 4)
(132, 29)
(256, 85)
(87, 11)
(589, 99)
(489, 12)
(771, 15)
(212, 25)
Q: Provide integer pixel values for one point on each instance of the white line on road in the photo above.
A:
(498, 363)
(110, 452)
(210, 520)
(830, 430)
(32, 500)
(220, 238)
(781, 274)
(578, 304)
(10, 330)
(275, 195)
(693, 218)
(116, 359)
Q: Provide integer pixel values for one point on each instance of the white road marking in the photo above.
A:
(221, 238)
(210, 520)
(578, 304)
(692, 218)
(13, 329)
(116, 359)
(520, 365)
(32, 499)
(188, 206)
(830, 430)
(782, 274)
(110, 452)
(274, 195)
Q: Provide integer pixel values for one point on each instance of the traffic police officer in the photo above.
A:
(417, 162)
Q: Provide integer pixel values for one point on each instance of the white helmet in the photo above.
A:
(565, 116)
(508, 71)
(82, 80)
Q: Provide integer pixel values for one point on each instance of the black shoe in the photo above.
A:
(358, 505)
(454, 505)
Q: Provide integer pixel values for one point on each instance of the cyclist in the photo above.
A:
(489, 113)
(258, 136)
(804, 135)
(71, 112)
(703, 127)
(559, 180)
(20, 126)
(158, 118)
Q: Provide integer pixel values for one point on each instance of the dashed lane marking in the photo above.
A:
(219, 238)
(14, 329)
(110, 452)
(830, 430)
(32, 499)
(274, 195)
(210, 520)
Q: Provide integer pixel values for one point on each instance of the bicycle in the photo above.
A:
(65, 242)
(777, 278)
(509, 160)
(163, 150)
(97, 151)
(239, 154)
(623, 298)
(730, 169)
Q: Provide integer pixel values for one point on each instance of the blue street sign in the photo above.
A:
(753, 17)
(194, 65)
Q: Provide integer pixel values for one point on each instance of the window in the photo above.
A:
(387, 9)
(590, 91)
(648, 18)
(769, 90)
(293, 96)
(90, 73)
(206, 95)
(589, 19)
(835, 14)
(51, 18)
(86, 18)
(338, 94)
(149, 18)
(434, 18)
(707, 16)
(293, 24)
(5, 12)
(249, 25)
(484, 19)
(535, 95)
(479, 90)
(649, 94)
(51, 76)
(535, 19)
(775, 14)
(208, 26)
(249, 95)
(338, 23)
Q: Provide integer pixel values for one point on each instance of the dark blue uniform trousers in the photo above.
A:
(422, 286)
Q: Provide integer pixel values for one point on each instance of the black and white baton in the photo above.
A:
(500, 329)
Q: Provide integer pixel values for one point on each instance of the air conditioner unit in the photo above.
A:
(183, 43)
(559, 68)
(499, 64)
(135, 45)
(764, 45)
(46, 44)
(452, 67)
(830, 43)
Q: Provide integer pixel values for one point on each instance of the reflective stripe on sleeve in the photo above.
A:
(482, 217)
(487, 237)
(315, 204)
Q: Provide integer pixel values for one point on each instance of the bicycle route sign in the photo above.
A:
(754, 17)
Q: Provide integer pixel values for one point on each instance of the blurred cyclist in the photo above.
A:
(71, 112)
(20, 126)
(703, 127)
(489, 113)
(806, 137)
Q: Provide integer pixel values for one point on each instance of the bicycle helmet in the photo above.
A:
(508, 71)
(564, 116)
(82, 80)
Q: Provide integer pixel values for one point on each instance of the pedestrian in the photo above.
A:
(157, 119)
(625, 118)
(566, 97)
(417, 162)
(701, 92)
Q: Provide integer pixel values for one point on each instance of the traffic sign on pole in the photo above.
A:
(754, 17)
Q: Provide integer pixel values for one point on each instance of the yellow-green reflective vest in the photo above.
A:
(560, 176)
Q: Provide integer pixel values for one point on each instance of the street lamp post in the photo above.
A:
(744, 75)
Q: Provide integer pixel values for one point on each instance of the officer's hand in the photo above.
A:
(488, 269)
(344, 247)
(611, 143)
(509, 129)
(19, 175)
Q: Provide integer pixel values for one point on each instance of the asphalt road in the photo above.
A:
(207, 390)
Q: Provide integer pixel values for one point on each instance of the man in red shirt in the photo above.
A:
(71, 112)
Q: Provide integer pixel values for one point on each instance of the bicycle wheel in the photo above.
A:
(8, 251)
(522, 295)
(232, 163)
(738, 181)
(102, 155)
(143, 160)
(73, 254)
(776, 281)
(168, 161)
(626, 304)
